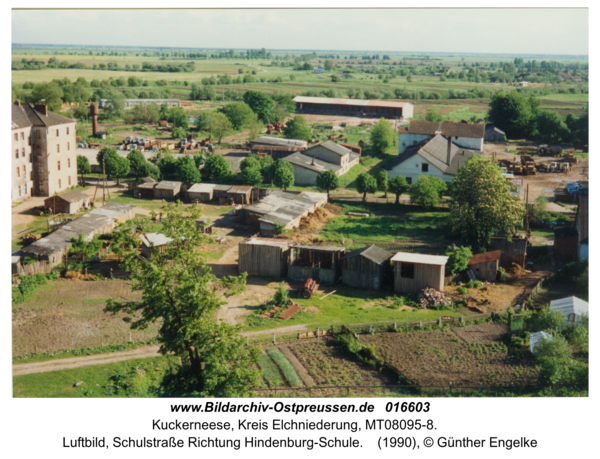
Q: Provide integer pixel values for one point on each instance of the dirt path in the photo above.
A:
(101, 359)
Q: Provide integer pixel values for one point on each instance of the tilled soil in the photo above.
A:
(463, 357)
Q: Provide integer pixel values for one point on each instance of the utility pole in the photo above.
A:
(527, 210)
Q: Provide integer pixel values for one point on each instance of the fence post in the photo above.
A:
(460, 319)
(370, 328)
(394, 325)
(130, 336)
(298, 334)
(247, 341)
(440, 324)
(273, 338)
(317, 332)
(332, 330)
(420, 324)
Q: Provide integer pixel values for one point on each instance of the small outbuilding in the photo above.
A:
(264, 257)
(167, 190)
(155, 241)
(146, 189)
(321, 263)
(414, 271)
(200, 192)
(368, 268)
(485, 265)
(220, 193)
(70, 202)
(513, 250)
(205, 225)
(572, 307)
(240, 194)
(493, 134)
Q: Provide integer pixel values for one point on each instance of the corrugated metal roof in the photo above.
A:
(283, 243)
(353, 102)
(166, 185)
(264, 140)
(240, 189)
(319, 248)
(373, 253)
(485, 257)
(302, 159)
(201, 188)
(222, 187)
(70, 196)
(570, 305)
(407, 257)
(331, 146)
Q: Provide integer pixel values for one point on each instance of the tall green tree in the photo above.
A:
(252, 176)
(50, 94)
(327, 181)
(482, 205)
(261, 104)
(382, 136)
(254, 126)
(214, 167)
(427, 191)
(383, 182)
(398, 186)
(283, 174)
(181, 295)
(237, 113)
(551, 126)
(83, 166)
(117, 167)
(219, 126)
(366, 183)
(514, 113)
(137, 163)
(187, 170)
(297, 128)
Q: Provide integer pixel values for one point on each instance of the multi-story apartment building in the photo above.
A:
(49, 142)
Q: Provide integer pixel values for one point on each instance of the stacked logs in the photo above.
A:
(432, 297)
(309, 288)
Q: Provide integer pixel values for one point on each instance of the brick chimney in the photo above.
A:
(43, 109)
(449, 151)
(313, 161)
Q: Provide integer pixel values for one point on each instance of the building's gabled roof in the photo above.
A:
(372, 253)
(420, 258)
(331, 146)
(240, 189)
(355, 102)
(435, 151)
(70, 196)
(319, 248)
(445, 128)
(493, 128)
(570, 305)
(311, 163)
(167, 185)
(535, 338)
(201, 188)
(24, 115)
(264, 140)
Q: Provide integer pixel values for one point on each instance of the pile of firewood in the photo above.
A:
(432, 297)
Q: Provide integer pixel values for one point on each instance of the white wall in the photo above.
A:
(304, 176)
(405, 140)
(469, 142)
(412, 168)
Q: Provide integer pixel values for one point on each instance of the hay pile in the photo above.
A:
(315, 221)
(78, 275)
(516, 270)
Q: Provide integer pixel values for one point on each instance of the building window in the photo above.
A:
(68, 145)
(22, 136)
(24, 172)
(69, 162)
(57, 133)
(407, 270)
(29, 140)
(69, 180)
(409, 180)
(424, 167)
(23, 152)
(38, 135)
(19, 190)
(16, 136)
(67, 131)
(58, 165)
(414, 142)
(403, 144)
(57, 148)
(17, 153)
(59, 185)
(18, 172)
(25, 190)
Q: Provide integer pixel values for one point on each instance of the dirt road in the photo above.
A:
(139, 353)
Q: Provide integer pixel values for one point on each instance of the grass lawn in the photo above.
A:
(98, 380)
(349, 306)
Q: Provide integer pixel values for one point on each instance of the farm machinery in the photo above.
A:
(276, 128)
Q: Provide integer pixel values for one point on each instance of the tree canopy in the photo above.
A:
(327, 181)
(366, 183)
(482, 205)
(398, 185)
(237, 113)
(187, 171)
(261, 104)
(297, 129)
(83, 165)
(180, 293)
(214, 167)
(514, 113)
(219, 126)
(382, 136)
(427, 191)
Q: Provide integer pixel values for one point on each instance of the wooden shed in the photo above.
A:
(205, 225)
(200, 192)
(513, 251)
(369, 268)
(317, 262)
(414, 271)
(167, 190)
(566, 241)
(155, 241)
(220, 193)
(572, 308)
(485, 265)
(70, 202)
(264, 257)
(146, 189)
(240, 194)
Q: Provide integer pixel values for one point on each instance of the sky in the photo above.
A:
(490, 31)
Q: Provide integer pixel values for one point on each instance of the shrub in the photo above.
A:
(458, 259)
(281, 297)
(462, 290)
(473, 284)
(548, 319)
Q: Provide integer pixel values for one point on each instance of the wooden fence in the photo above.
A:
(29, 269)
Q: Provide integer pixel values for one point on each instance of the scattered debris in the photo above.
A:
(289, 312)
(330, 293)
(77, 384)
(312, 310)
(358, 214)
(271, 312)
(432, 297)
(309, 288)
